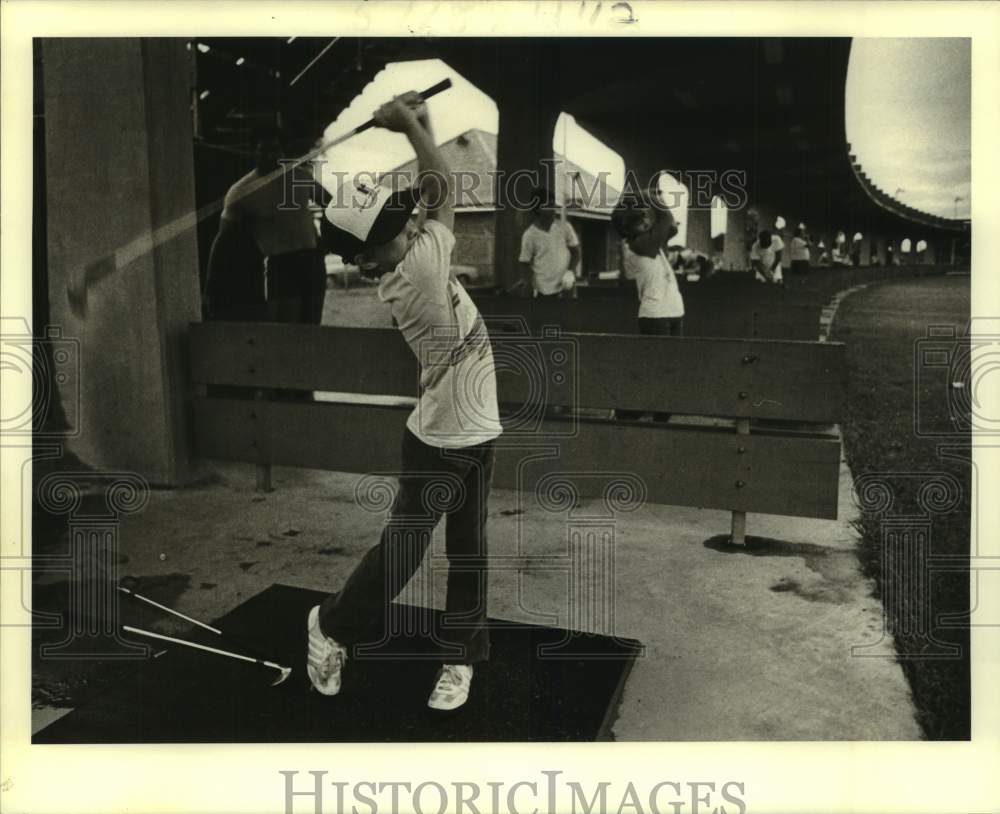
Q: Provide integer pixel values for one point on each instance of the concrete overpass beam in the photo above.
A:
(128, 175)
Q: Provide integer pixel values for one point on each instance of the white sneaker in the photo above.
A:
(326, 658)
(452, 687)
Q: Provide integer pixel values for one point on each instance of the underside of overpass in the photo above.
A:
(767, 111)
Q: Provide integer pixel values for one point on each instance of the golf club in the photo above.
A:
(176, 613)
(80, 278)
(191, 619)
(283, 672)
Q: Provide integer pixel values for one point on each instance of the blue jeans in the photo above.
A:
(434, 482)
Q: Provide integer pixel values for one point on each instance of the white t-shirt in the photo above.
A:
(659, 295)
(457, 406)
(766, 256)
(800, 249)
(548, 253)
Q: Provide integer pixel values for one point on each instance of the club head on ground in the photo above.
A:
(283, 673)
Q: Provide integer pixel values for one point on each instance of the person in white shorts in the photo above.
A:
(448, 443)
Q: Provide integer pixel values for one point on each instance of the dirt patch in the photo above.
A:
(838, 572)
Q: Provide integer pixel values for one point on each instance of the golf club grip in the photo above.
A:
(433, 90)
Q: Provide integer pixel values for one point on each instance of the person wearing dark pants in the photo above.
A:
(660, 326)
(447, 460)
(296, 286)
(800, 252)
(435, 482)
(273, 208)
(646, 228)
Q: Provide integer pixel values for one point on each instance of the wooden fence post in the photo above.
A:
(263, 469)
(738, 535)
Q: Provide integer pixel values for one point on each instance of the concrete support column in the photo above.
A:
(734, 254)
(890, 258)
(877, 253)
(699, 229)
(867, 250)
(528, 114)
(119, 151)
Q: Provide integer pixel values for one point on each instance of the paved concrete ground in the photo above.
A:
(741, 645)
(749, 645)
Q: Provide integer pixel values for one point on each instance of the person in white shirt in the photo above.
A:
(448, 443)
(800, 252)
(694, 265)
(765, 258)
(549, 248)
(645, 231)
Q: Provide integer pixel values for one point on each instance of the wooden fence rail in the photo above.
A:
(788, 394)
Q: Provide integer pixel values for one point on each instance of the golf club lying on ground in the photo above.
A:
(80, 278)
(284, 671)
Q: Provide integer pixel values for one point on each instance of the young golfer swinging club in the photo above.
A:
(448, 441)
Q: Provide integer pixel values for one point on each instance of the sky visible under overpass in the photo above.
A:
(907, 107)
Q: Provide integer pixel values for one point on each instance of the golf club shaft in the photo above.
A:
(176, 613)
(196, 646)
(80, 279)
(192, 620)
(433, 90)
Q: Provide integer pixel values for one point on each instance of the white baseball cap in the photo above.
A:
(360, 216)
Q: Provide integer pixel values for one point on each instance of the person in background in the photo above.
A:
(549, 249)
(765, 258)
(824, 255)
(692, 264)
(800, 252)
(234, 289)
(276, 215)
(839, 255)
(646, 228)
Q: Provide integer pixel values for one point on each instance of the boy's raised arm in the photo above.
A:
(663, 227)
(407, 114)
